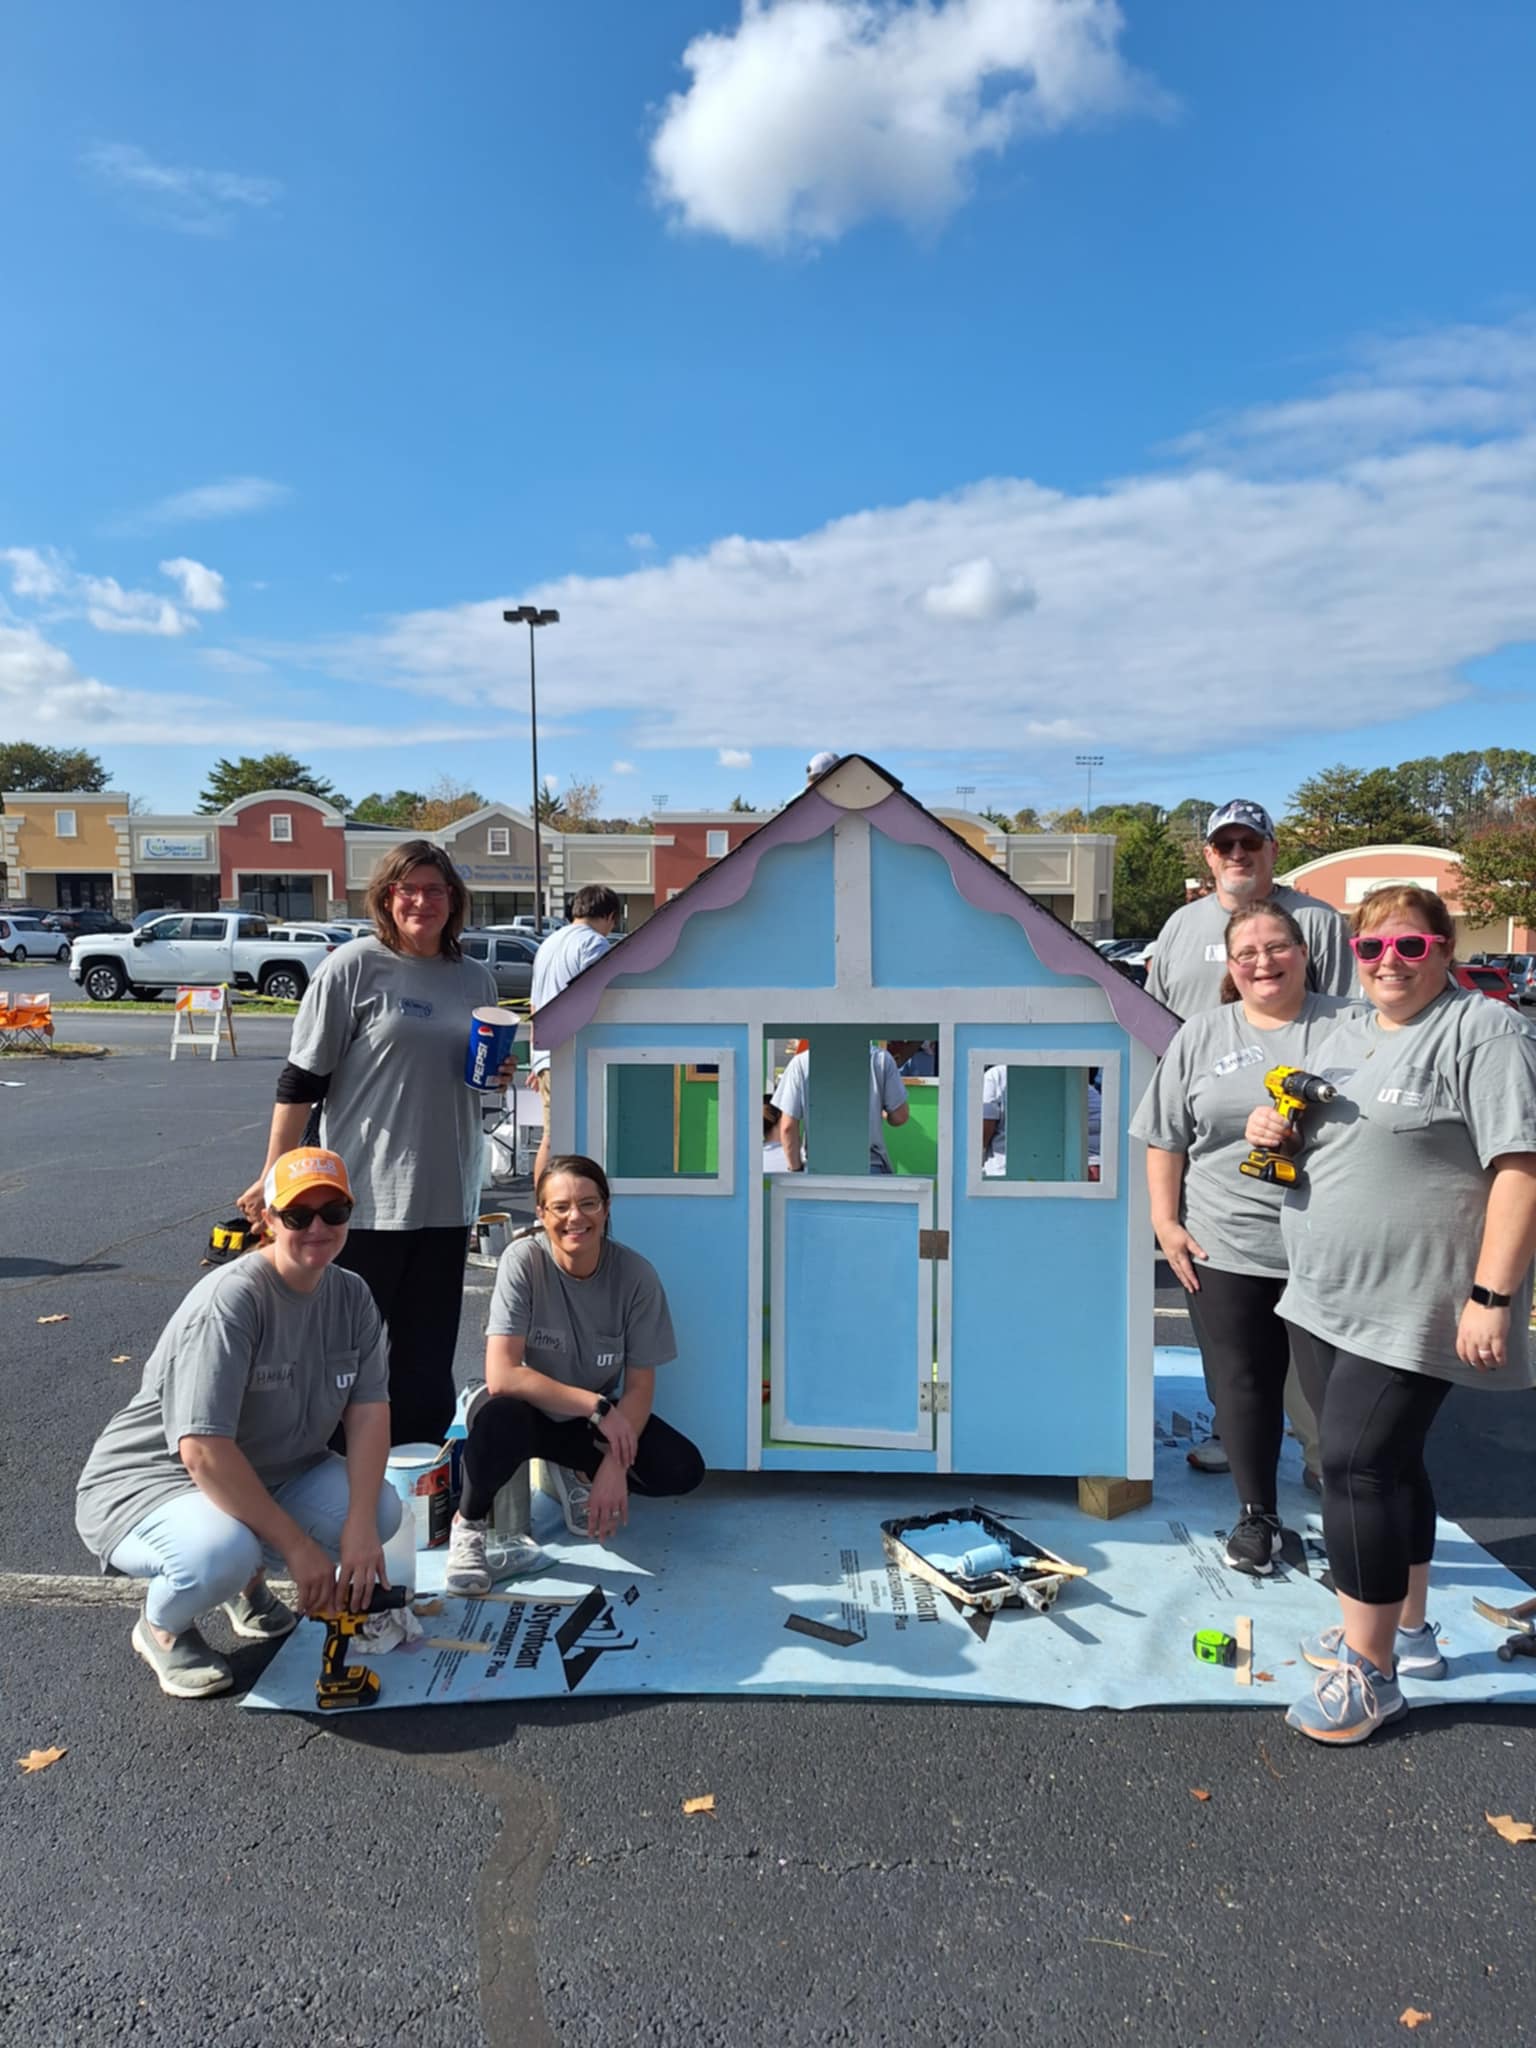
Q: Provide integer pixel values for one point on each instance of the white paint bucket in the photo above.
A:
(494, 1229)
(421, 1474)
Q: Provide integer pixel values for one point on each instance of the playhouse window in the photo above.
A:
(1043, 1123)
(661, 1124)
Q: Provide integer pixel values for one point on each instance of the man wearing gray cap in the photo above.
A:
(1189, 959)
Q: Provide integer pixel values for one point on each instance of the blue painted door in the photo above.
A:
(852, 1316)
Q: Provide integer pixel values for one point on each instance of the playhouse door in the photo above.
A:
(852, 1317)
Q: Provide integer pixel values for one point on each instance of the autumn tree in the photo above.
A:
(445, 803)
(1027, 820)
(400, 808)
(25, 767)
(230, 780)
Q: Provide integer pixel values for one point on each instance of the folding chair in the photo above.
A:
(29, 1022)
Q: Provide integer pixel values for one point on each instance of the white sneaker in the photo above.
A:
(1208, 1457)
(513, 1556)
(574, 1495)
(467, 1570)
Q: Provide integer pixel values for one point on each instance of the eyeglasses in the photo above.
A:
(1406, 945)
(590, 1205)
(421, 895)
(1251, 956)
(1249, 842)
(333, 1213)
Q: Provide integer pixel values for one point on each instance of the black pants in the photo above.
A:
(507, 1433)
(417, 1279)
(1378, 1504)
(1246, 1351)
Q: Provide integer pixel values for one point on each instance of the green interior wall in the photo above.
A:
(1047, 1123)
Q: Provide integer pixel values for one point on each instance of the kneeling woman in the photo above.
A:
(577, 1328)
(220, 1463)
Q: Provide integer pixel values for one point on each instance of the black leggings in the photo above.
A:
(507, 1432)
(1378, 1504)
(417, 1279)
(1246, 1351)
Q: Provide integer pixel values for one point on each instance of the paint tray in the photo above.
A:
(1034, 1579)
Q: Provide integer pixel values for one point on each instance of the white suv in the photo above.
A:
(24, 937)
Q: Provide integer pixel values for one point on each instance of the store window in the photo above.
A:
(282, 825)
(64, 825)
(716, 845)
(498, 840)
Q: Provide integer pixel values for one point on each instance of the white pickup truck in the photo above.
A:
(194, 949)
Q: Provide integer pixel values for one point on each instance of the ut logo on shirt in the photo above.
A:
(344, 1380)
(606, 1359)
(1405, 1098)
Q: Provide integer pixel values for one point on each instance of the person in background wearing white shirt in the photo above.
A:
(887, 1105)
(595, 911)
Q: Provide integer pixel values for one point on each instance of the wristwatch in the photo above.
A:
(1486, 1298)
(604, 1407)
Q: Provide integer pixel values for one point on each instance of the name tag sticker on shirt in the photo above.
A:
(547, 1340)
(410, 1007)
(266, 1379)
(1217, 951)
(1234, 1062)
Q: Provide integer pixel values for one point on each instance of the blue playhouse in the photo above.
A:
(963, 1314)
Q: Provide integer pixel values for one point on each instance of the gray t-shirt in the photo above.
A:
(392, 1032)
(583, 1333)
(244, 1357)
(1382, 1236)
(1189, 959)
(1210, 1080)
(562, 956)
(886, 1091)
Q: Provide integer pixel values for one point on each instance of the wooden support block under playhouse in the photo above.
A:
(1107, 1498)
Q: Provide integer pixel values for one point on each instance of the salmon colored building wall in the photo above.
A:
(317, 847)
(688, 856)
(1343, 879)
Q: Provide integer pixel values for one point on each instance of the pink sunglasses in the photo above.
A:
(1409, 946)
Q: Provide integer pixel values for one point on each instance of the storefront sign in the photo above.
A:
(495, 875)
(164, 846)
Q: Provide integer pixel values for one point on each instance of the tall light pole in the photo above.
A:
(530, 616)
(963, 790)
(658, 802)
(1090, 762)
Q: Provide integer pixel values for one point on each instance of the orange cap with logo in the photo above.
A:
(307, 1167)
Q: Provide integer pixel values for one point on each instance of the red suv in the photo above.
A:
(1489, 981)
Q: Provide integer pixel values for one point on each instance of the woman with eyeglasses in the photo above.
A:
(577, 1328)
(219, 1464)
(378, 1049)
(1219, 1229)
(1409, 1240)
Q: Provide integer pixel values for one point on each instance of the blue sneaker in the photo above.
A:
(1416, 1652)
(1349, 1703)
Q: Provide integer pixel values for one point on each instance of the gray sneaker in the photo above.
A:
(467, 1570)
(1415, 1652)
(261, 1615)
(188, 1670)
(513, 1556)
(574, 1495)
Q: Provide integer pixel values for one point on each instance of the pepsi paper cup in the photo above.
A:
(491, 1035)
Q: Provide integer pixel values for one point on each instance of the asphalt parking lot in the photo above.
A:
(877, 1873)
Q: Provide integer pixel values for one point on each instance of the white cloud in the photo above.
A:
(34, 573)
(642, 543)
(230, 499)
(734, 757)
(202, 589)
(47, 578)
(813, 115)
(1177, 610)
(185, 197)
(230, 663)
(977, 592)
(622, 768)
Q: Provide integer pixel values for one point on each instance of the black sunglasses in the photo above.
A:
(300, 1219)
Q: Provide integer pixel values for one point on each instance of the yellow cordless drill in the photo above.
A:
(341, 1684)
(1290, 1090)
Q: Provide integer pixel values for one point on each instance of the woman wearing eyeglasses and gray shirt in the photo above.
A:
(379, 1045)
(1218, 1228)
(1409, 1243)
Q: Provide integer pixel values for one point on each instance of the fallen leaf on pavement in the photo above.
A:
(1511, 1829)
(40, 1759)
(53, 1319)
(705, 1803)
(1197, 1792)
(1411, 2017)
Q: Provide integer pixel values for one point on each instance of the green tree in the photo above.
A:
(230, 780)
(399, 809)
(26, 767)
(1000, 819)
(551, 810)
(1149, 877)
(738, 803)
(1498, 875)
(1344, 807)
(1027, 820)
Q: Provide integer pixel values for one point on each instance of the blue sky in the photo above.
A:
(972, 384)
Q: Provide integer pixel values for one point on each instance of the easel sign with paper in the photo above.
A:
(212, 1003)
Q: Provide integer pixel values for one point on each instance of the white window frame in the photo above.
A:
(498, 840)
(285, 819)
(600, 1058)
(63, 831)
(1107, 1186)
(717, 845)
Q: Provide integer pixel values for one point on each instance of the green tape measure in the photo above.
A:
(1215, 1646)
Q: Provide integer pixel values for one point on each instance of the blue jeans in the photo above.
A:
(195, 1556)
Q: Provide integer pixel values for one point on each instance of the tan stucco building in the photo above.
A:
(67, 849)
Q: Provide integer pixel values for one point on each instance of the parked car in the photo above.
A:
(329, 935)
(25, 937)
(73, 922)
(1490, 981)
(160, 910)
(509, 955)
(1520, 967)
(354, 927)
(199, 948)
